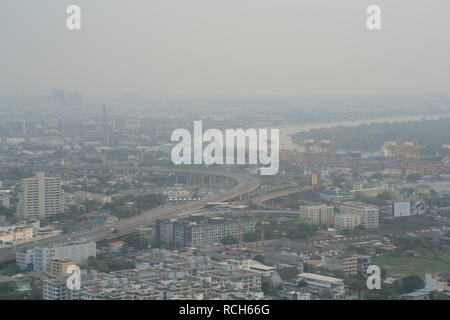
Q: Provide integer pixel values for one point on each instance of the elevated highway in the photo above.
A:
(262, 200)
(244, 185)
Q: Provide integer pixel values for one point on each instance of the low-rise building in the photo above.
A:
(15, 234)
(162, 274)
(335, 285)
(38, 258)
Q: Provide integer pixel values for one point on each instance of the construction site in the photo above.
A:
(400, 158)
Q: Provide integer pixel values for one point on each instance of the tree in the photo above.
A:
(93, 263)
(259, 258)
(302, 284)
(268, 288)
(413, 177)
(10, 268)
(229, 240)
(309, 268)
(136, 241)
(438, 296)
(411, 283)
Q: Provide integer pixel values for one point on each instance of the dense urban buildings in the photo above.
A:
(200, 231)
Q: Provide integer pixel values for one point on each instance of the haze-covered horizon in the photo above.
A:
(219, 49)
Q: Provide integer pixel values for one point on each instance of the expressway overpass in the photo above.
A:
(261, 201)
(244, 185)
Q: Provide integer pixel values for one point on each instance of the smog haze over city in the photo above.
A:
(244, 151)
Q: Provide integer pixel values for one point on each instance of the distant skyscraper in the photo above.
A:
(75, 98)
(104, 125)
(40, 197)
(24, 128)
(107, 128)
(59, 96)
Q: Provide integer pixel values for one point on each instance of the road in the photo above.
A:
(245, 184)
(260, 200)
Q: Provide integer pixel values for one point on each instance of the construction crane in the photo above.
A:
(408, 150)
(263, 222)
(241, 233)
(316, 146)
(241, 238)
(413, 148)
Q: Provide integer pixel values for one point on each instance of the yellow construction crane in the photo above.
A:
(263, 222)
(241, 238)
(407, 150)
(241, 235)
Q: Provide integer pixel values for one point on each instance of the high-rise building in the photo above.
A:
(75, 98)
(56, 289)
(350, 264)
(363, 263)
(199, 230)
(317, 214)
(369, 214)
(59, 266)
(40, 197)
(59, 97)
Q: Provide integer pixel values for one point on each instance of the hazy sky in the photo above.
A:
(225, 48)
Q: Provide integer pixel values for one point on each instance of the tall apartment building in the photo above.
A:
(363, 263)
(346, 221)
(350, 264)
(4, 199)
(356, 264)
(199, 230)
(321, 214)
(369, 214)
(58, 267)
(40, 197)
(38, 259)
(56, 289)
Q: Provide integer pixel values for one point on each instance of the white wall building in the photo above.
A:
(369, 214)
(40, 257)
(317, 214)
(346, 221)
(335, 285)
(40, 197)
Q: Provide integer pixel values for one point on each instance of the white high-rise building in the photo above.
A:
(40, 197)
(344, 221)
(369, 214)
(317, 214)
(56, 289)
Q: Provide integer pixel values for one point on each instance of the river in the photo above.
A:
(286, 132)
